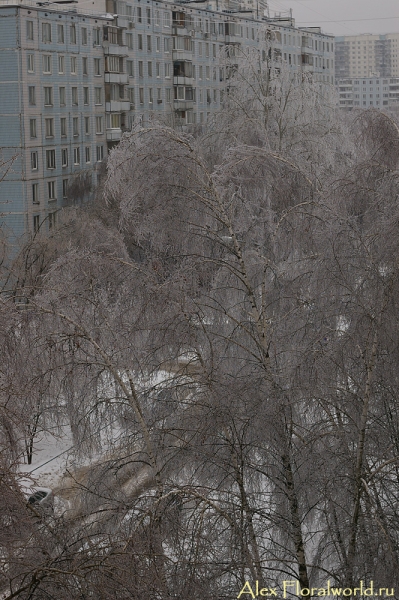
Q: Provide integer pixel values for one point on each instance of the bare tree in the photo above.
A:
(226, 328)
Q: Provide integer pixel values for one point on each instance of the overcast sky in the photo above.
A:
(343, 17)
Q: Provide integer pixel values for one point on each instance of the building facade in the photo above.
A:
(369, 92)
(367, 55)
(72, 81)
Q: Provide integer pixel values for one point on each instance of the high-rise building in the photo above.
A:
(72, 81)
(367, 55)
(367, 92)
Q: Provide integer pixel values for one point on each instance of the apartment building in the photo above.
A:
(376, 92)
(72, 81)
(367, 55)
(52, 113)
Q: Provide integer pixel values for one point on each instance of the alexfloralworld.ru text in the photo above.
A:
(292, 588)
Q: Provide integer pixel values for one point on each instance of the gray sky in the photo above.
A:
(343, 17)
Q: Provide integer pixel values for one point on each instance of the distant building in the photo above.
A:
(72, 81)
(366, 92)
(367, 55)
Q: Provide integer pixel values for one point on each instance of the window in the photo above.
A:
(65, 188)
(98, 95)
(141, 95)
(141, 70)
(72, 34)
(35, 193)
(32, 128)
(116, 92)
(64, 157)
(63, 126)
(61, 64)
(130, 95)
(115, 64)
(29, 30)
(84, 36)
(166, 44)
(87, 154)
(159, 95)
(62, 96)
(199, 48)
(97, 66)
(140, 41)
(200, 72)
(148, 16)
(34, 164)
(48, 96)
(84, 65)
(75, 126)
(46, 63)
(73, 65)
(158, 69)
(129, 40)
(157, 18)
(46, 32)
(149, 67)
(50, 159)
(87, 125)
(85, 95)
(168, 95)
(51, 190)
(111, 34)
(158, 44)
(51, 220)
(74, 96)
(179, 93)
(60, 33)
(150, 96)
(167, 69)
(100, 153)
(76, 156)
(113, 121)
(130, 68)
(149, 45)
(32, 95)
(166, 20)
(207, 71)
(49, 123)
(139, 16)
(96, 37)
(31, 63)
(36, 223)
(99, 125)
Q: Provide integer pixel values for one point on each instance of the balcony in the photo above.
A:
(113, 135)
(180, 105)
(307, 60)
(116, 77)
(117, 106)
(115, 49)
(122, 22)
(183, 81)
(182, 55)
(181, 31)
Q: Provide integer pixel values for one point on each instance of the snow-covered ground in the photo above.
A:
(54, 457)
(51, 458)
